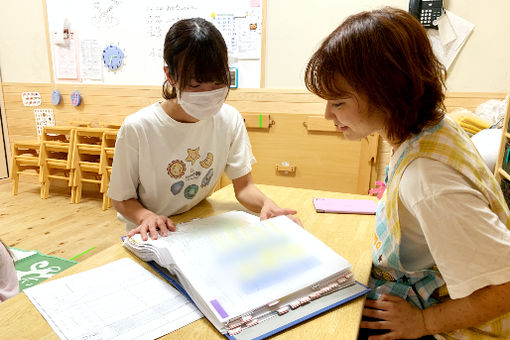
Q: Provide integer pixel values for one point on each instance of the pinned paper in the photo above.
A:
(447, 32)
(43, 117)
(448, 40)
(91, 66)
(62, 37)
(65, 58)
(31, 98)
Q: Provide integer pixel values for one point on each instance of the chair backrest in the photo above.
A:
(108, 149)
(29, 149)
(110, 137)
(107, 125)
(57, 143)
(63, 134)
(90, 136)
(78, 123)
(88, 149)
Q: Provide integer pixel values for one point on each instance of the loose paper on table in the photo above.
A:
(118, 300)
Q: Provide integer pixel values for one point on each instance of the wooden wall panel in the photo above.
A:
(322, 160)
(322, 152)
(470, 100)
(102, 103)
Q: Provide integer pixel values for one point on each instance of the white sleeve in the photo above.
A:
(8, 279)
(125, 168)
(469, 244)
(240, 157)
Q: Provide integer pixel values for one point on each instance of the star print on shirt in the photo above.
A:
(193, 155)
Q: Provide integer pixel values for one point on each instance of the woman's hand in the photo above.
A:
(252, 198)
(402, 319)
(151, 224)
(270, 209)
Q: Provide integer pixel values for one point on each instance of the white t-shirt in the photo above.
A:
(8, 278)
(446, 221)
(171, 166)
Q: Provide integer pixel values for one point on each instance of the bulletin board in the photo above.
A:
(79, 31)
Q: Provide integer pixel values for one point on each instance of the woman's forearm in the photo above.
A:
(132, 209)
(248, 194)
(481, 306)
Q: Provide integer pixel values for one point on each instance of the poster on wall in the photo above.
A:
(65, 58)
(90, 57)
(137, 30)
(43, 117)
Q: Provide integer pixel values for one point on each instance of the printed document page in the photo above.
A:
(236, 263)
(119, 300)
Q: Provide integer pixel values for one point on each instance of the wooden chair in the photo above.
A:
(107, 153)
(56, 156)
(87, 161)
(24, 160)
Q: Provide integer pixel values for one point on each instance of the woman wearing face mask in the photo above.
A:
(170, 155)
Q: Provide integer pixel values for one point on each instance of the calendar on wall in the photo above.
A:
(121, 41)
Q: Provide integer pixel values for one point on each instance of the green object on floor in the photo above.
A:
(80, 254)
(33, 267)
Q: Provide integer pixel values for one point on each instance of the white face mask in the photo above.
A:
(204, 104)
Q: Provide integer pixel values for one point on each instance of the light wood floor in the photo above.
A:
(54, 226)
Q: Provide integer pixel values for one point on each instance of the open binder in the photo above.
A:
(251, 278)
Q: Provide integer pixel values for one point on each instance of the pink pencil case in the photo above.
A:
(344, 206)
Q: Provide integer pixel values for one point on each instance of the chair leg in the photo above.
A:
(14, 176)
(105, 202)
(45, 189)
(77, 193)
(15, 182)
(73, 194)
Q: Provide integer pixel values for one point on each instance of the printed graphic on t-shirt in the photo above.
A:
(176, 169)
(207, 178)
(193, 175)
(177, 187)
(207, 162)
(191, 191)
(188, 175)
(193, 155)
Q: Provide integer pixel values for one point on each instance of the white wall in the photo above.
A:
(23, 52)
(484, 63)
(295, 28)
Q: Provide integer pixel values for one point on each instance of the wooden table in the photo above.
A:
(349, 235)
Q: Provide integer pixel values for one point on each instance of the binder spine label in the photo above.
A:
(219, 308)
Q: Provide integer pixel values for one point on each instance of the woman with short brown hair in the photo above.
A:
(441, 252)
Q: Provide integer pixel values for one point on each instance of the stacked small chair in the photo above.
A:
(76, 154)
(24, 160)
(107, 153)
(56, 156)
(87, 161)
